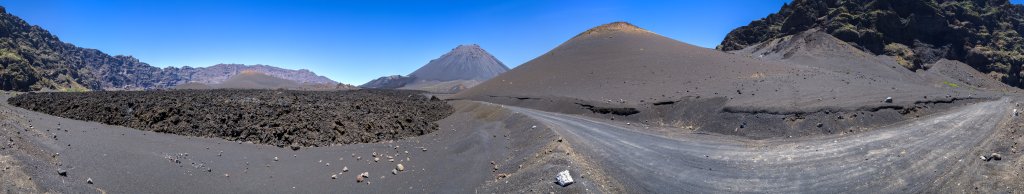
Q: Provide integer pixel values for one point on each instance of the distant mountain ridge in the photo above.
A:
(32, 59)
(462, 67)
(219, 73)
(389, 82)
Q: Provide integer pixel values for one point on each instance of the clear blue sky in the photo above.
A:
(355, 41)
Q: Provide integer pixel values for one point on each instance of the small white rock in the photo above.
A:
(564, 178)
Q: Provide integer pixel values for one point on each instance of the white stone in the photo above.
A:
(564, 179)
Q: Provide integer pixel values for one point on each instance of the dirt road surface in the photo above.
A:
(908, 157)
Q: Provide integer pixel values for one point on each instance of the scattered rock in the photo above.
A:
(334, 176)
(400, 167)
(995, 156)
(416, 114)
(275, 158)
(88, 181)
(344, 169)
(888, 100)
(819, 125)
(362, 177)
(563, 178)
(393, 171)
(62, 172)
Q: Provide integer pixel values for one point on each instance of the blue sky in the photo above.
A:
(355, 41)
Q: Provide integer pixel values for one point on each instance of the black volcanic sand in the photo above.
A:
(623, 72)
(480, 148)
(694, 114)
(274, 117)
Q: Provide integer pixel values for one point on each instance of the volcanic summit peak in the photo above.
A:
(471, 49)
(619, 26)
(467, 46)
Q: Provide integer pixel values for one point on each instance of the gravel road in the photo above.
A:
(906, 157)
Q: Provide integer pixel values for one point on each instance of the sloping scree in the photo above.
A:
(274, 117)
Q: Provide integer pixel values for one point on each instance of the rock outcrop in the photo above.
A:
(982, 34)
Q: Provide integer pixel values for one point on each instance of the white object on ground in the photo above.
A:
(564, 179)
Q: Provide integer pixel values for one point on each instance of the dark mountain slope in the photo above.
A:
(982, 34)
(626, 65)
(33, 59)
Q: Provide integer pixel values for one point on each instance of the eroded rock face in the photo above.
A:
(983, 34)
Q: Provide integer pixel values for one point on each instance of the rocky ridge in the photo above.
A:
(982, 34)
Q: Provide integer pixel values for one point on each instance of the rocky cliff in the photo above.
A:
(983, 34)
